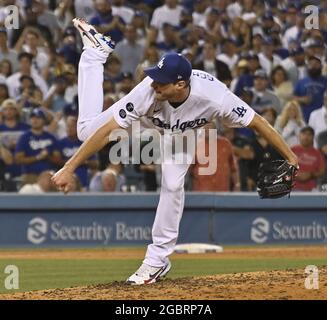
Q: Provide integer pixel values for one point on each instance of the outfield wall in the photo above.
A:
(126, 219)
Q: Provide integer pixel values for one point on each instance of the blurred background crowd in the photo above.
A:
(261, 49)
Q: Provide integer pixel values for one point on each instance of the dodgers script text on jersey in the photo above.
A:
(209, 98)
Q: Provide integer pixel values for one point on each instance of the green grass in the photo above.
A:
(40, 274)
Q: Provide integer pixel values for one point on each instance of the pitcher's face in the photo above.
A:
(167, 91)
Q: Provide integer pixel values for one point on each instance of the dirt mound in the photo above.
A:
(287, 284)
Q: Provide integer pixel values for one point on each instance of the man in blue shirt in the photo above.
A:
(37, 149)
(69, 145)
(106, 23)
(309, 91)
(10, 130)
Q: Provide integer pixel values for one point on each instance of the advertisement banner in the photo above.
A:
(90, 229)
(270, 228)
(97, 220)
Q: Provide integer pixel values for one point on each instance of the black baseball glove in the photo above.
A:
(275, 179)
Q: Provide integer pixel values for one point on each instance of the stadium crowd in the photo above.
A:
(261, 49)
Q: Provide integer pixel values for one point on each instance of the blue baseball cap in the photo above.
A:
(295, 51)
(38, 113)
(171, 68)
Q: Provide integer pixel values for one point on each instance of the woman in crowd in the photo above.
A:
(290, 122)
(283, 88)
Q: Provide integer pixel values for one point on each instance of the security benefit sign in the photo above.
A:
(74, 229)
(261, 228)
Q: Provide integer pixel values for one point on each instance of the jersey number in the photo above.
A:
(203, 75)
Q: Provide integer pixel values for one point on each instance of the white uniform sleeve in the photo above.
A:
(134, 105)
(234, 110)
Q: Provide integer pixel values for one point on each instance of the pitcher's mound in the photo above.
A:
(286, 284)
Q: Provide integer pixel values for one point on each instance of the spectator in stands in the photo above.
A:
(257, 43)
(254, 63)
(109, 180)
(268, 59)
(46, 18)
(37, 150)
(5, 70)
(140, 24)
(229, 55)
(31, 15)
(170, 13)
(69, 48)
(43, 184)
(242, 77)
(129, 51)
(26, 83)
(280, 84)
(279, 50)
(267, 24)
(226, 176)
(112, 69)
(64, 13)
(211, 28)
(311, 162)
(241, 33)
(309, 91)
(5, 51)
(263, 97)
(29, 99)
(171, 40)
(200, 12)
(25, 68)
(69, 145)
(318, 119)
(290, 122)
(10, 131)
(243, 152)
(29, 41)
(245, 78)
(207, 60)
(125, 85)
(119, 9)
(293, 22)
(85, 9)
(151, 57)
(58, 125)
(6, 159)
(294, 65)
(247, 12)
(70, 73)
(55, 99)
(106, 22)
(314, 46)
(270, 114)
(4, 93)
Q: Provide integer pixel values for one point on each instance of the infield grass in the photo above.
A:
(38, 274)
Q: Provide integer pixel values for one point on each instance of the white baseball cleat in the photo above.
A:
(147, 274)
(92, 38)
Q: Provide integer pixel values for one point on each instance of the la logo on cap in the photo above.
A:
(160, 63)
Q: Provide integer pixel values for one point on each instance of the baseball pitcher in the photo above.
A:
(183, 99)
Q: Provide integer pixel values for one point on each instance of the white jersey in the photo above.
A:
(209, 98)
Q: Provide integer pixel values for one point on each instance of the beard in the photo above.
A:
(314, 73)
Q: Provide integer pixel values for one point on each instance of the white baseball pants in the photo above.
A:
(170, 208)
